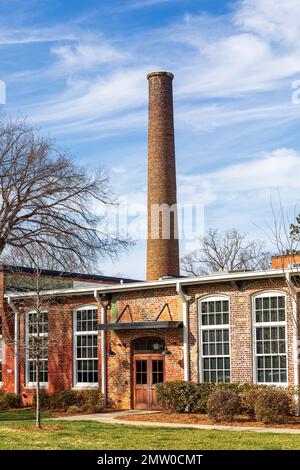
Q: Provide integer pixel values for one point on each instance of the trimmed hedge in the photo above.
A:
(261, 402)
(182, 397)
(10, 400)
(189, 397)
(65, 399)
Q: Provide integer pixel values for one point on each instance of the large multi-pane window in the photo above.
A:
(0, 351)
(86, 346)
(270, 338)
(214, 339)
(37, 347)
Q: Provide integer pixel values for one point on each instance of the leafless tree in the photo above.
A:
(14, 256)
(33, 346)
(49, 204)
(283, 235)
(228, 251)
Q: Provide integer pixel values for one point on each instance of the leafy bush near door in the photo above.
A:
(182, 397)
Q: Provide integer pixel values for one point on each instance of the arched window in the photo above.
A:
(86, 346)
(148, 346)
(214, 339)
(269, 324)
(36, 347)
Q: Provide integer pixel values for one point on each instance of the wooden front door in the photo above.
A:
(148, 370)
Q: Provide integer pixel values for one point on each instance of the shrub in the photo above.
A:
(223, 405)
(73, 409)
(67, 398)
(249, 395)
(237, 388)
(93, 397)
(89, 408)
(63, 400)
(10, 400)
(44, 400)
(181, 396)
(93, 402)
(273, 405)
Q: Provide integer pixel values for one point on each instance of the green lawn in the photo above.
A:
(92, 435)
(20, 415)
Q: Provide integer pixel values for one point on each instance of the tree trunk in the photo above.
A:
(38, 401)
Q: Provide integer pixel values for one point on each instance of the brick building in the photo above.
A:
(124, 336)
(122, 339)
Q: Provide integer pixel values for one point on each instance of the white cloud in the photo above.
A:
(138, 4)
(81, 56)
(232, 72)
(119, 91)
(274, 20)
(245, 181)
(36, 35)
(216, 58)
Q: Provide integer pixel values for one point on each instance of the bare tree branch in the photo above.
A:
(229, 251)
(47, 203)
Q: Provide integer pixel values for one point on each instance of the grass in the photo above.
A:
(20, 415)
(100, 436)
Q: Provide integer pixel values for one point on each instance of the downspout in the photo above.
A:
(103, 349)
(16, 345)
(185, 331)
(295, 339)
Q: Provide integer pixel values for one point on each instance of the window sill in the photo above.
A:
(85, 387)
(33, 385)
(272, 384)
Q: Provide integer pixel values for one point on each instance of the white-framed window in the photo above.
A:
(86, 346)
(36, 347)
(214, 339)
(1, 349)
(269, 336)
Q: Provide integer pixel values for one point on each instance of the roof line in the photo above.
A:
(157, 284)
(64, 274)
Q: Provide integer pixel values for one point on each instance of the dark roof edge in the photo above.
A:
(79, 276)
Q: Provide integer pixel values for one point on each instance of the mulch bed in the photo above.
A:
(43, 428)
(193, 418)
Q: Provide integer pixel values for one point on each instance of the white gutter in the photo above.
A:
(295, 338)
(186, 360)
(103, 349)
(16, 344)
(219, 277)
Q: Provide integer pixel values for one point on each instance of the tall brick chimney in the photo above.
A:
(162, 248)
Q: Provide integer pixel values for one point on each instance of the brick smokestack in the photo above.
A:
(162, 250)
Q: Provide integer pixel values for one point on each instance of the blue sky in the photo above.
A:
(77, 70)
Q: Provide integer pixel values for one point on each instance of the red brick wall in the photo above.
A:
(240, 299)
(8, 341)
(283, 261)
(60, 342)
(145, 306)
